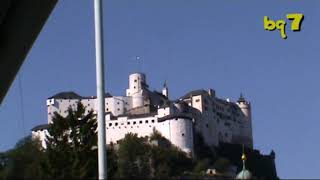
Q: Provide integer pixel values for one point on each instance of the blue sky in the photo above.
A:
(192, 44)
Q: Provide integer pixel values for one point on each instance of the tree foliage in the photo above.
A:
(70, 149)
(140, 158)
(24, 161)
(133, 156)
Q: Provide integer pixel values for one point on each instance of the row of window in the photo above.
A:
(133, 122)
(138, 127)
(88, 111)
(118, 103)
(220, 108)
(107, 109)
(128, 127)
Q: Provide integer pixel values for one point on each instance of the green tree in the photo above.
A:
(24, 161)
(133, 154)
(169, 162)
(154, 157)
(112, 160)
(70, 149)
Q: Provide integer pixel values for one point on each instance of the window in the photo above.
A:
(197, 100)
(128, 123)
(118, 103)
(147, 121)
(140, 122)
(134, 87)
(110, 124)
(118, 109)
(116, 124)
(134, 122)
(107, 109)
(152, 121)
(135, 80)
(182, 134)
(207, 125)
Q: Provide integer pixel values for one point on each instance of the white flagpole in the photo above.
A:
(102, 155)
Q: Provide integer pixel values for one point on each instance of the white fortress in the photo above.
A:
(141, 111)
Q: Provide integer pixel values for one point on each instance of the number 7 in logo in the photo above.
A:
(297, 20)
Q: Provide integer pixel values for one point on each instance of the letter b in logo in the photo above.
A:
(269, 25)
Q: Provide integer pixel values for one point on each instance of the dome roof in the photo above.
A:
(244, 174)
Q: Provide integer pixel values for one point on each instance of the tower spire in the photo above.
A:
(165, 84)
(244, 174)
(241, 98)
(165, 90)
(244, 158)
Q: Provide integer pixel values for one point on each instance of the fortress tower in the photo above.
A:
(137, 84)
(246, 110)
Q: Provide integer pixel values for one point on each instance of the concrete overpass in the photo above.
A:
(20, 24)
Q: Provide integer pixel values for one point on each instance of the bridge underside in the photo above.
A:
(20, 23)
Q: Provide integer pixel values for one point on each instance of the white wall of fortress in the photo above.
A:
(178, 131)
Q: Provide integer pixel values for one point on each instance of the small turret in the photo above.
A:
(211, 92)
(165, 90)
(245, 107)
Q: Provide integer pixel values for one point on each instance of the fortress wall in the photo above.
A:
(179, 131)
(117, 129)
